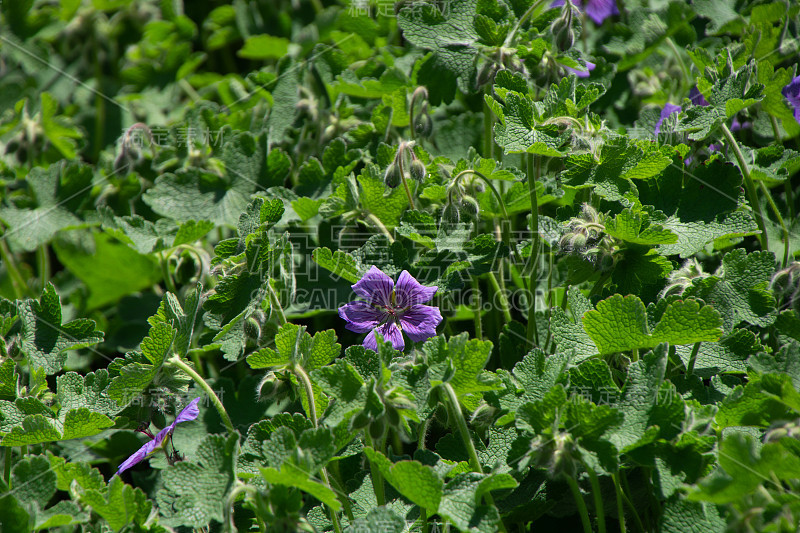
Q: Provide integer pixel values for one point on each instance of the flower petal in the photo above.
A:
(410, 291)
(697, 97)
(361, 316)
(375, 287)
(190, 412)
(390, 333)
(666, 112)
(137, 457)
(420, 322)
(581, 73)
(792, 93)
(599, 10)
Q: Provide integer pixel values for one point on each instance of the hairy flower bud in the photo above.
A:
(423, 125)
(417, 170)
(393, 176)
(563, 34)
(470, 206)
(450, 214)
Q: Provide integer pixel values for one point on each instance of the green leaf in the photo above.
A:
(264, 47)
(634, 227)
(620, 324)
(56, 202)
(291, 476)
(785, 361)
(118, 504)
(45, 339)
(414, 480)
(681, 516)
(339, 263)
(765, 399)
(741, 293)
(460, 361)
(195, 492)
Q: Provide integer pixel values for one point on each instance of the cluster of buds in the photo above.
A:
(680, 279)
(781, 430)
(389, 409)
(406, 164)
(585, 235)
(461, 201)
(786, 286)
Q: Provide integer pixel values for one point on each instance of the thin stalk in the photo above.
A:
(375, 220)
(308, 390)
(787, 190)
(195, 356)
(223, 414)
(693, 359)
(777, 213)
(686, 74)
(276, 304)
(620, 510)
(423, 433)
(621, 477)
(598, 285)
(525, 16)
(476, 307)
(165, 273)
(598, 501)
(488, 120)
(576, 494)
(405, 182)
(635, 354)
(43, 259)
(466, 438)
(375, 472)
(504, 306)
(17, 282)
(750, 187)
(532, 331)
(7, 465)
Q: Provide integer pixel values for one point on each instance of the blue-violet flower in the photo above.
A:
(597, 10)
(391, 309)
(190, 412)
(666, 112)
(792, 93)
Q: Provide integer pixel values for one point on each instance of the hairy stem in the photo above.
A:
(693, 359)
(501, 294)
(223, 414)
(461, 424)
(375, 220)
(165, 273)
(750, 188)
(532, 331)
(620, 509)
(375, 472)
(275, 303)
(777, 213)
(598, 500)
(17, 282)
(476, 307)
(576, 494)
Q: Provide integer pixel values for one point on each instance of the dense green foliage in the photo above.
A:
(606, 201)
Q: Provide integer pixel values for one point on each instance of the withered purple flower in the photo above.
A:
(190, 412)
(391, 309)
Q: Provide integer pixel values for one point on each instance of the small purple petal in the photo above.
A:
(792, 93)
(599, 10)
(361, 317)
(137, 457)
(736, 125)
(410, 291)
(666, 112)
(390, 333)
(420, 322)
(375, 287)
(697, 97)
(581, 73)
(190, 412)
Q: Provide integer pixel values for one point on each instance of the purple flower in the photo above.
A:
(697, 97)
(581, 73)
(598, 10)
(666, 112)
(792, 93)
(190, 412)
(391, 309)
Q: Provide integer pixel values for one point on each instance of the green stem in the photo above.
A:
(620, 476)
(17, 283)
(750, 187)
(532, 331)
(635, 354)
(403, 177)
(375, 220)
(488, 120)
(308, 390)
(375, 472)
(223, 414)
(43, 258)
(620, 509)
(598, 500)
(598, 285)
(504, 306)
(461, 424)
(423, 433)
(165, 273)
(693, 359)
(476, 307)
(678, 56)
(576, 494)
(525, 16)
(276, 303)
(777, 213)
(787, 189)
(7, 466)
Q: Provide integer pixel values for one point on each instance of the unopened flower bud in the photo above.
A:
(252, 329)
(563, 34)
(377, 428)
(450, 214)
(470, 206)
(417, 170)
(393, 176)
(423, 125)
